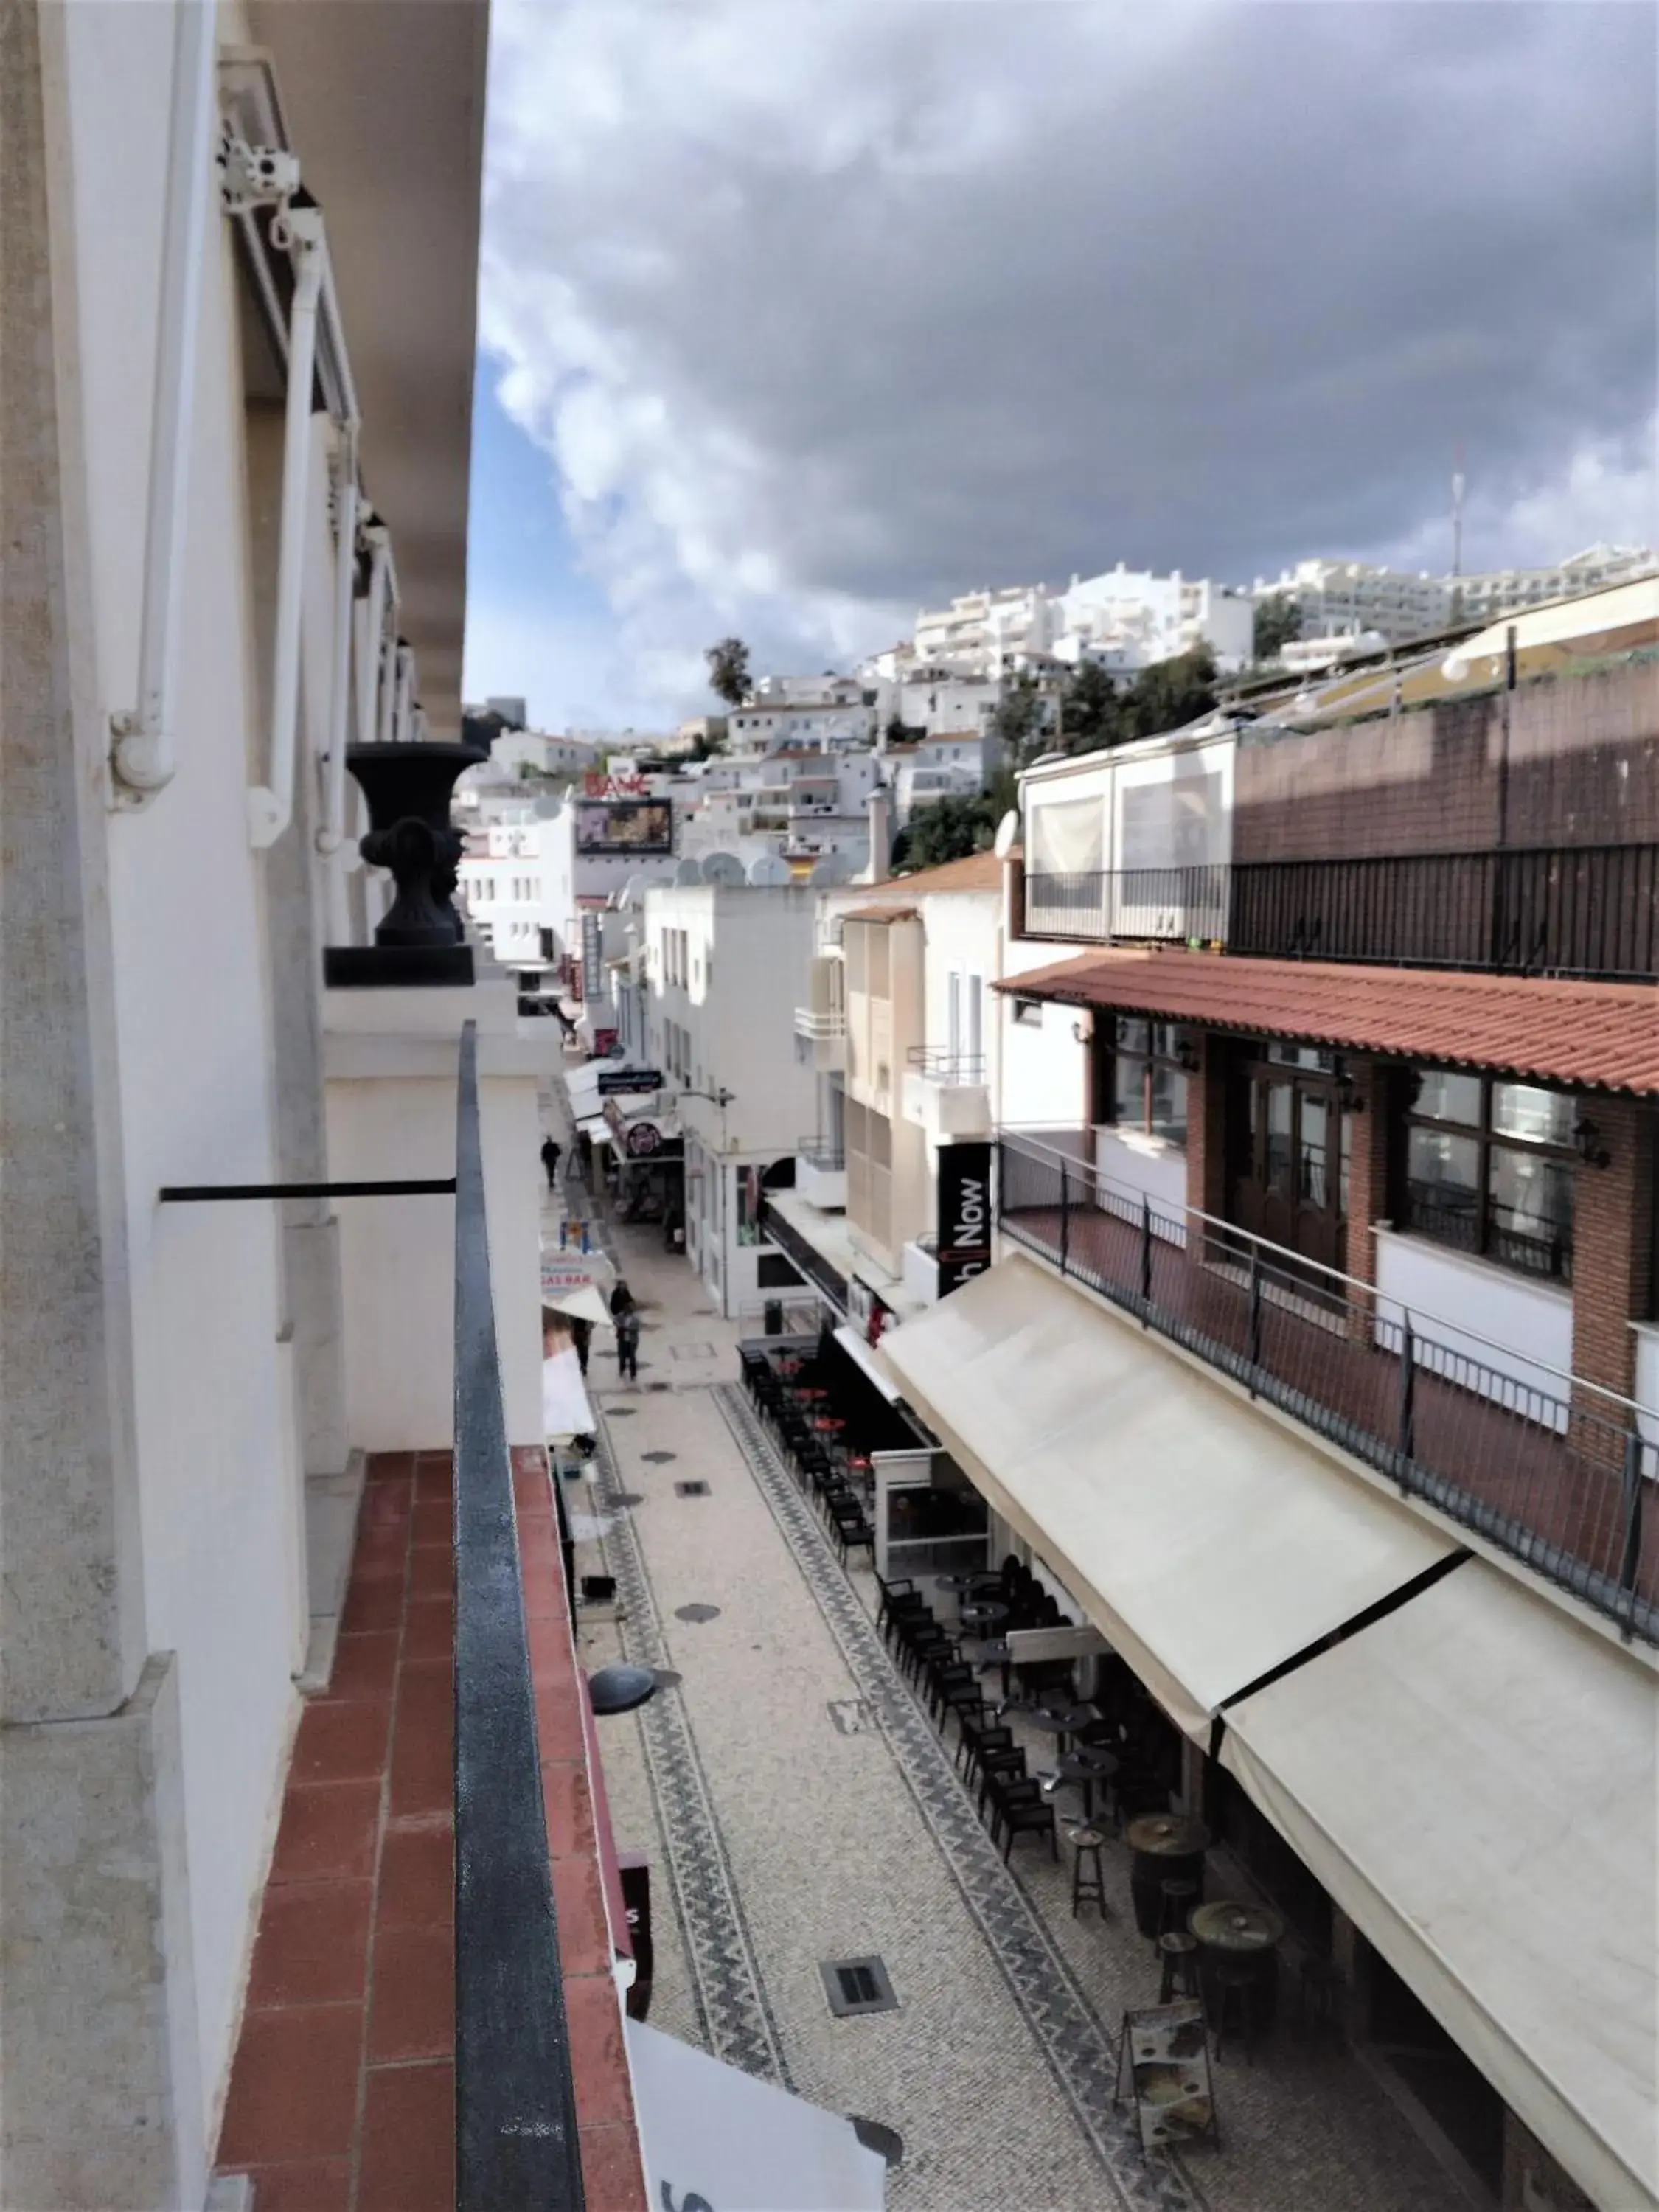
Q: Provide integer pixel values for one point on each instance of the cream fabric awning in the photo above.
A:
(1472, 1778)
(1209, 1543)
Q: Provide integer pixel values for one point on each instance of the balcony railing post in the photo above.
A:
(1254, 1342)
(1407, 1396)
(1630, 1565)
(1145, 1248)
(1065, 1217)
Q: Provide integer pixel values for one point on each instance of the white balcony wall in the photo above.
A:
(1647, 1378)
(1043, 1075)
(391, 1058)
(1525, 1326)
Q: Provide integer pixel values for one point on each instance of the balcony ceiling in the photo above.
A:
(1601, 1036)
(385, 104)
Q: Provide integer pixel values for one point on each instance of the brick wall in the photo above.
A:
(1370, 1134)
(1612, 1243)
(1583, 769)
(1207, 1128)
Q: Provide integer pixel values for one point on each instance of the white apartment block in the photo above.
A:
(761, 725)
(713, 1012)
(1343, 597)
(1126, 619)
(982, 632)
(1494, 591)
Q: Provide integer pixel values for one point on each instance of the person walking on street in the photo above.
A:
(627, 1343)
(582, 1332)
(551, 1161)
(620, 1299)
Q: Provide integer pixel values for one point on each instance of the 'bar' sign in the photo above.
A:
(964, 1214)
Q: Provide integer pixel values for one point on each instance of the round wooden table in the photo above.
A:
(1165, 1847)
(1242, 1941)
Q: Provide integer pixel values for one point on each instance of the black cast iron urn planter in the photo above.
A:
(408, 788)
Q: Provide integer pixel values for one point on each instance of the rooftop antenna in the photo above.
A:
(1457, 511)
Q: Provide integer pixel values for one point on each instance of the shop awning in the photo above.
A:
(582, 1084)
(1208, 1542)
(861, 1357)
(1472, 1779)
(715, 2136)
(595, 1128)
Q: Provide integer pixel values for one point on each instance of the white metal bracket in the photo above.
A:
(256, 176)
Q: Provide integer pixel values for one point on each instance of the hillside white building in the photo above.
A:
(1494, 591)
(1126, 619)
(982, 632)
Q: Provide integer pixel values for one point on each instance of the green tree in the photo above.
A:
(1019, 720)
(948, 828)
(1168, 695)
(481, 727)
(728, 671)
(1278, 621)
(1089, 711)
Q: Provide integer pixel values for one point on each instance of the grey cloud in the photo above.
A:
(937, 294)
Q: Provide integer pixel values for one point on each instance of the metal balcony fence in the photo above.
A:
(1591, 911)
(828, 1155)
(1548, 1468)
(515, 2118)
(939, 1063)
(1168, 905)
(820, 1023)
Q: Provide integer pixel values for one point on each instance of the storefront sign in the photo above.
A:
(643, 1138)
(964, 1214)
(593, 981)
(617, 1082)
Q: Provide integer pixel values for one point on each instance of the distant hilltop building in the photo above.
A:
(1343, 598)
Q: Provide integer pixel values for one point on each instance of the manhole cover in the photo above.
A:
(659, 1385)
(696, 1612)
(626, 1498)
(619, 1413)
(690, 1489)
(666, 1678)
(886, 2142)
(856, 1986)
(659, 1458)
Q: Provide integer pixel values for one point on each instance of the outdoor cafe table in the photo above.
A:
(1165, 1847)
(1061, 1721)
(1244, 1937)
(982, 1613)
(977, 1578)
(1087, 1766)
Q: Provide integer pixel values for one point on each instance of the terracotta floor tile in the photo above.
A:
(435, 1478)
(613, 2179)
(340, 1743)
(431, 1570)
(531, 1485)
(423, 1749)
(412, 2010)
(311, 2185)
(559, 1720)
(328, 1830)
(313, 1944)
(551, 1659)
(409, 2141)
(435, 1522)
(390, 1466)
(599, 2061)
(374, 1604)
(584, 1937)
(569, 1811)
(365, 1667)
(417, 1877)
(429, 1628)
(386, 1505)
(382, 1554)
(294, 2086)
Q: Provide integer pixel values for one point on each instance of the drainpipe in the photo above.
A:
(881, 836)
(270, 806)
(331, 835)
(144, 756)
(403, 695)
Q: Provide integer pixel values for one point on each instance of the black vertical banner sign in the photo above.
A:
(964, 1214)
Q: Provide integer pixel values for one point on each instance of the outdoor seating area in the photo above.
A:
(791, 1394)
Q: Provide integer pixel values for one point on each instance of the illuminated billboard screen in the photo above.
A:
(624, 825)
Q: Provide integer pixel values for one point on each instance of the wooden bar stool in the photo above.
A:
(1179, 1953)
(1088, 1885)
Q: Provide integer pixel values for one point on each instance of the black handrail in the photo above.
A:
(516, 2142)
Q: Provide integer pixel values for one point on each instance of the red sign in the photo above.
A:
(596, 785)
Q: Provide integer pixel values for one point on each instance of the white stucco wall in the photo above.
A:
(1149, 1167)
(1524, 1327)
(1647, 1377)
(392, 1066)
(1042, 1077)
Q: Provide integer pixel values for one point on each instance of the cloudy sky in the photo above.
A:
(799, 314)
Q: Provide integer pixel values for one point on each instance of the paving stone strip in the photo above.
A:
(1081, 2053)
(736, 2015)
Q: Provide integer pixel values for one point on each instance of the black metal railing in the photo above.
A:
(807, 1258)
(516, 2142)
(1549, 1468)
(939, 1063)
(1592, 911)
(1165, 905)
(828, 1155)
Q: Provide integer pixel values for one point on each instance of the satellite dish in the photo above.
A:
(1007, 835)
(835, 868)
(688, 871)
(770, 868)
(722, 868)
(548, 808)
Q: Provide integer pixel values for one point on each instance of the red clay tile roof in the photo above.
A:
(1597, 1036)
(978, 872)
(883, 914)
